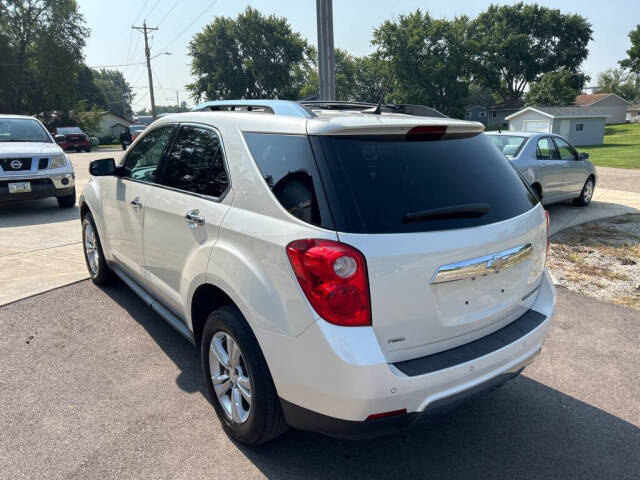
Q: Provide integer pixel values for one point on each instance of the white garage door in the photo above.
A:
(536, 125)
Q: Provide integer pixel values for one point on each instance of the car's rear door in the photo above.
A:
(184, 213)
(555, 183)
(125, 197)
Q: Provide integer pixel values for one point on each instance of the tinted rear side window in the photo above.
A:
(287, 165)
(372, 183)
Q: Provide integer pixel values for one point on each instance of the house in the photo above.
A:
(633, 113)
(609, 103)
(476, 113)
(497, 114)
(112, 125)
(579, 125)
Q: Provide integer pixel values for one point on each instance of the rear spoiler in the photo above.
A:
(395, 126)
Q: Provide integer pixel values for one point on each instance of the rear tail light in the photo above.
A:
(546, 213)
(333, 277)
(427, 132)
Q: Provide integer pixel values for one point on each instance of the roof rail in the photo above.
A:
(275, 107)
(416, 110)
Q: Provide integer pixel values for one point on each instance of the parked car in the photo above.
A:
(32, 166)
(341, 271)
(130, 134)
(550, 164)
(72, 138)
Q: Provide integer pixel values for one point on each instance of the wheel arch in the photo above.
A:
(206, 298)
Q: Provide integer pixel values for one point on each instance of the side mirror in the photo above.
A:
(103, 168)
(584, 156)
(60, 138)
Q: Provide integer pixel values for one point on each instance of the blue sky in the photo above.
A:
(112, 42)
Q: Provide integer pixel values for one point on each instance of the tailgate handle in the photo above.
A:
(481, 266)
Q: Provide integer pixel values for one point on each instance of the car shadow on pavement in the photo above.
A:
(35, 212)
(183, 354)
(525, 430)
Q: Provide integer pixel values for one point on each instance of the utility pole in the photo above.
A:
(177, 101)
(147, 52)
(326, 54)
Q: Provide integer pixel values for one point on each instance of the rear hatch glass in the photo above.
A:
(386, 184)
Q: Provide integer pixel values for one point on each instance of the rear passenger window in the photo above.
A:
(195, 163)
(287, 165)
(546, 150)
(567, 152)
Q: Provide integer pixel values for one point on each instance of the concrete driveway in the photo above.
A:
(94, 385)
(40, 244)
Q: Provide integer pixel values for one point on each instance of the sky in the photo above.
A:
(113, 42)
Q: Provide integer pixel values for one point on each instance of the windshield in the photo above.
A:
(509, 145)
(386, 184)
(22, 130)
(69, 130)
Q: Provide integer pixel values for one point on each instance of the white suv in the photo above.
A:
(342, 271)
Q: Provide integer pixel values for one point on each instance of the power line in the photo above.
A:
(191, 24)
(169, 12)
(153, 8)
(141, 10)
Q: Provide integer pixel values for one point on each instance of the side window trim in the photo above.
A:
(163, 161)
(552, 143)
(162, 155)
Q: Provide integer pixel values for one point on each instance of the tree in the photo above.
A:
(252, 56)
(480, 95)
(41, 43)
(87, 118)
(117, 92)
(516, 44)
(626, 85)
(430, 60)
(553, 88)
(632, 62)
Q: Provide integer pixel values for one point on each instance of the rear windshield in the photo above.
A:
(509, 145)
(386, 184)
(69, 130)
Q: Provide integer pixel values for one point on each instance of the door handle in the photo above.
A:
(194, 219)
(137, 204)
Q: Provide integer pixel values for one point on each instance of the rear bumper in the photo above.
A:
(340, 376)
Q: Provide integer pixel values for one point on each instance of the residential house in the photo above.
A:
(112, 125)
(610, 103)
(476, 113)
(497, 114)
(633, 113)
(579, 125)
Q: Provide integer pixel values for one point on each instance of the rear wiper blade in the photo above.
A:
(469, 210)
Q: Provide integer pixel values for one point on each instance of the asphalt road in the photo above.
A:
(626, 179)
(93, 385)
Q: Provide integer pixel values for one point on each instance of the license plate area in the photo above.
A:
(20, 187)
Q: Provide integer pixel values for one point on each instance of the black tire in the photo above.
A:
(68, 201)
(586, 194)
(265, 420)
(78, 149)
(103, 275)
(124, 147)
(88, 149)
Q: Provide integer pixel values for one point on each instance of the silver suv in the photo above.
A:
(32, 165)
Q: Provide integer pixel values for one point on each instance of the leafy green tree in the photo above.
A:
(251, 56)
(553, 88)
(116, 91)
(41, 43)
(632, 62)
(87, 118)
(480, 95)
(88, 90)
(516, 44)
(165, 109)
(626, 85)
(430, 59)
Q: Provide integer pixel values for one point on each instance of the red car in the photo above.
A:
(72, 138)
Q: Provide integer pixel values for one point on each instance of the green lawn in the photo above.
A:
(621, 147)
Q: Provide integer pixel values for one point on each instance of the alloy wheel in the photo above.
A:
(230, 377)
(91, 249)
(588, 191)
